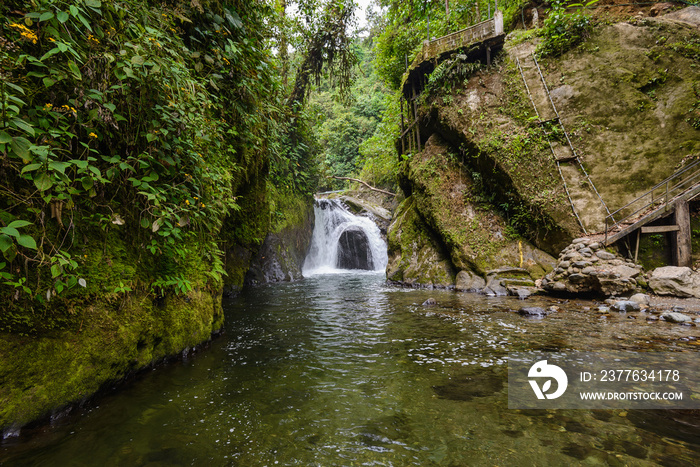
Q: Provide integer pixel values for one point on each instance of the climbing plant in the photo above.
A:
(128, 117)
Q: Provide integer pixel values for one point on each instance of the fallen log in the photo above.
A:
(365, 184)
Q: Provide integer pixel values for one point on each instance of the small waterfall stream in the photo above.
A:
(343, 241)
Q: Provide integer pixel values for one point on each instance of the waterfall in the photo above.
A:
(342, 241)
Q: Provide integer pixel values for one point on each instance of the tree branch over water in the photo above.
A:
(365, 184)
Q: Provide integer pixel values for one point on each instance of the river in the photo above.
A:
(341, 369)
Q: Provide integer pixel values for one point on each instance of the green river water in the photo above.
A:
(341, 369)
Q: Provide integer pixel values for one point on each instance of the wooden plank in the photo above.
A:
(660, 229)
(683, 237)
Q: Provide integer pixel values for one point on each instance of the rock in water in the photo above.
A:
(642, 299)
(354, 251)
(624, 306)
(675, 317)
(467, 281)
(532, 312)
(430, 302)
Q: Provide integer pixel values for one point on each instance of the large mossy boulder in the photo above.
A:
(416, 255)
(475, 236)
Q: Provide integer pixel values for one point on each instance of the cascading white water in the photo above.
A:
(343, 241)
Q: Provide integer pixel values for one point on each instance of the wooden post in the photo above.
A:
(683, 250)
(488, 56)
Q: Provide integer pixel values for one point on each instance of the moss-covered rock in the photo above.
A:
(281, 257)
(416, 256)
(114, 338)
(476, 236)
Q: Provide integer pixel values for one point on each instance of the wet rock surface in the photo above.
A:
(532, 312)
(584, 267)
(675, 317)
(354, 251)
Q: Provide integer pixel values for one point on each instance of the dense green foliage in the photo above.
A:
(145, 133)
(406, 24)
(125, 116)
(564, 27)
(342, 125)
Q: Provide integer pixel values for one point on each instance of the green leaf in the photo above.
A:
(5, 243)
(111, 107)
(63, 16)
(46, 16)
(59, 166)
(55, 270)
(87, 182)
(73, 10)
(17, 88)
(144, 223)
(137, 60)
(74, 69)
(9, 231)
(19, 123)
(4, 137)
(93, 3)
(48, 82)
(27, 241)
(43, 182)
(20, 146)
(18, 224)
(85, 22)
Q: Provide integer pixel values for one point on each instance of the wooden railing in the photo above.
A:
(658, 197)
(481, 31)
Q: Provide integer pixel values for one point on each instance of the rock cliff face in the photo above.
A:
(444, 228)
(484, 195)
(282, 254)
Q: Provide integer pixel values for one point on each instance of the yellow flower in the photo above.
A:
(92, 135)
(187, 201)
(52, 39)
(48, 107)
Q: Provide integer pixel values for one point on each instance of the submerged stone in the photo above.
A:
(532, 311)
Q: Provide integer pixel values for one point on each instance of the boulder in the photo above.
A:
(675, 317)
(674, 280)
(642, 299)
(624, 306)
(532, 312)
(430, 302)
(467, 281)
(521, 292)
(354, 251)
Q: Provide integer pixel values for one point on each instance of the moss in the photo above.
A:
(287, 209)
(455, 208)
(416, 255)
(40, 374)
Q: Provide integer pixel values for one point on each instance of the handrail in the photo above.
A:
(658, 185)
(669, 194)
(473, 26)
